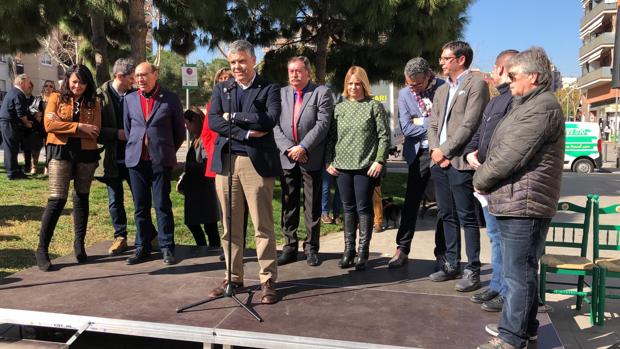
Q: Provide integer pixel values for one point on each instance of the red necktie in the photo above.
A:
(296, 110)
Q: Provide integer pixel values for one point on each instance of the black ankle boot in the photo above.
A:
(80, 223)
(43, 259)
(366, 225)
(50, 217)
(350, 226)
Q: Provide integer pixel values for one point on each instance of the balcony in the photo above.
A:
(595, 78)
(603, 40)
(597, 13)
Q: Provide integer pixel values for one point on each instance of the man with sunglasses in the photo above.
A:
(414, 111)
(492, 298)
(523, 175)
(455, 117)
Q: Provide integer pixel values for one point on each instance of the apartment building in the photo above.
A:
(39, 66)
(597, 32)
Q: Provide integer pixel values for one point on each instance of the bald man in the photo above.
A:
(155, 130)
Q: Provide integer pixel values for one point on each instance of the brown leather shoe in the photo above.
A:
(268, 293)
(219, 291)
(326, 219)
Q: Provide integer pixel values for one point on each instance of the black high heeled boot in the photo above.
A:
(350, 226)
(80, 223)
(366, 225)
(50, 217)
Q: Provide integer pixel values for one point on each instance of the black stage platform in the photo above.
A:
(321, 307)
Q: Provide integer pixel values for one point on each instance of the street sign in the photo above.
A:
(189, 76)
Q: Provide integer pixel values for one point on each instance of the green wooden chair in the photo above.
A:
(607, 238)
(572, 235)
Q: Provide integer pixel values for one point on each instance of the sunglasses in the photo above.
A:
(52, 86)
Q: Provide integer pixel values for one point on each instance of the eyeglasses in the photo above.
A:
(47, 85)
(446, 59)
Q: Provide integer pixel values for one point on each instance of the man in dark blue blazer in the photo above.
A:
(155, 130)
(13, 122)
(252, 104)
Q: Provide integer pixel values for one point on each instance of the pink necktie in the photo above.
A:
(296, 109)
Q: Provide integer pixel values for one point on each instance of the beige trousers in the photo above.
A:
(258, 192)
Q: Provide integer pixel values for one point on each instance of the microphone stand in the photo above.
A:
(229, 291)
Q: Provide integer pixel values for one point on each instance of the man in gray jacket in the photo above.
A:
(300, 136)
(456, 114)
(522, 174)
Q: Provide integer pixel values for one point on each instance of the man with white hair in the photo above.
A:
(13, 120)
(522, 174)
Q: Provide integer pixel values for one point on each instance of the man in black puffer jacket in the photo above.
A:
(523, 174)
(492, 298)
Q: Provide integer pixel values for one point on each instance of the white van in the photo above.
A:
(583, 147)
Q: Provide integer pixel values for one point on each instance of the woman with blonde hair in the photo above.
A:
(356, 152)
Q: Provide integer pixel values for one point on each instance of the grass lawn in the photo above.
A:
(22, 203)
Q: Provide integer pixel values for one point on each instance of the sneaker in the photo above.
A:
(469, 282)
(326, 219)
(493, 330)
(494, 305)
(496, 343)
(441, 275)
(399, 260)
(119, 245)
(484, 296)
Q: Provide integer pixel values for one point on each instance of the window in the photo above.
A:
(46, 59)
(3, 58)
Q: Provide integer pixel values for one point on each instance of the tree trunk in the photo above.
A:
(138, 30)
(322, 40)
(100, 46)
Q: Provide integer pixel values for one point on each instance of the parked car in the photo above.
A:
(583, 147)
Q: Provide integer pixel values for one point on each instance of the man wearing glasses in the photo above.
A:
(112, 170)
(414, 111)
(455, 117)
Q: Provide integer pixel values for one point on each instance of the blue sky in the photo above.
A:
(496, 25)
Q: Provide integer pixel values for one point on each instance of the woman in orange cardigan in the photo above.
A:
(72, 120)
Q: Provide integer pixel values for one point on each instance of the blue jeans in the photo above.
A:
(328, 180)
(116, 201)
(497, 282)
(152, 183)
(454, 193)
(522, 241)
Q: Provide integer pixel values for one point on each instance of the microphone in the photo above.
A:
(229, 87)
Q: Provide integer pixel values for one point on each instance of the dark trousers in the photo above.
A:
(116, 200)
(152, 183)
(291, 183)
(11, 138)
(210, 230)
(522, 244)
(455, 199)
(417, 180)
(356, 191)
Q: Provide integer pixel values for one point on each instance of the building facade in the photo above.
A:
(39, 66)
(597, 32)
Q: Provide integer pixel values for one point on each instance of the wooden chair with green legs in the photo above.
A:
(606, 238)
(570, 231)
